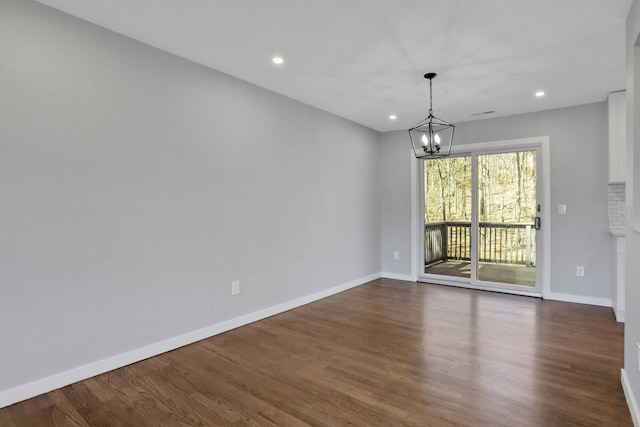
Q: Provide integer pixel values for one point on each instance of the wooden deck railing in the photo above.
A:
(511, 243)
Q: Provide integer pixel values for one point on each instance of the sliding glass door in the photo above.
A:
(480, 223)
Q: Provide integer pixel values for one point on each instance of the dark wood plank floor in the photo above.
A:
(388, 353)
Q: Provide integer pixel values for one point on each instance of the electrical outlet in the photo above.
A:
(235, 287)
(580, 271)
(396, 255)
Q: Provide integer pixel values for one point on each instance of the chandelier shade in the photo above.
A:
(432, 137)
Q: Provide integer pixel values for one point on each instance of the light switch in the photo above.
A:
(562, 209)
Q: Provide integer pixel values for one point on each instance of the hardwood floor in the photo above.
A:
(387, 353)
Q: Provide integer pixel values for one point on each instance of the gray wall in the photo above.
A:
(135, 186)
(577, 138)
(395, 206)
(632, 273)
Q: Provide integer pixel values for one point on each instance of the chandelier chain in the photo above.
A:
(430, 94)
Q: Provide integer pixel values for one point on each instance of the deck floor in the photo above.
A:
(490, 272)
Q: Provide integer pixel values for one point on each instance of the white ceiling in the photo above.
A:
(364, 59)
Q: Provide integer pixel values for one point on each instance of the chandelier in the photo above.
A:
(432, 137)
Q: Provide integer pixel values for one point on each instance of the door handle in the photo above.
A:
(537, 223)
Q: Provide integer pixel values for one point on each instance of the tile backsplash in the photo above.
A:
(617, 207)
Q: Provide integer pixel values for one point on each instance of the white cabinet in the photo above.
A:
(617, 136)
(618, 277)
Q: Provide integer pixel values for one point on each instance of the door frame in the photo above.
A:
(544, 197)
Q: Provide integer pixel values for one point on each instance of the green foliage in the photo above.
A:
(506, 188)
(447, 184)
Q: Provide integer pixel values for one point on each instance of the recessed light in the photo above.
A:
(277, 60)
(392, 117)
(539, 94)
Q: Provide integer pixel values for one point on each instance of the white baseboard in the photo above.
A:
(62, 379)
(396, 276)
(632, 402)
(603, 302)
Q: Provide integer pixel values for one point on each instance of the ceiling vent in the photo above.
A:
(483, 113)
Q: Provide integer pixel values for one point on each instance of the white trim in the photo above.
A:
(632, 402)
(62, 379)
(580, 299)
(546, 217)
(619, 315)
(415, 196)
(489, 146)
(544, 175)
(396, 276)
(465, 285)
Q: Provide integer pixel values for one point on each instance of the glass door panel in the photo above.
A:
(447, 216)
(506, 210)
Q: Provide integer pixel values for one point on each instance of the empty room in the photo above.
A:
(319, 213)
